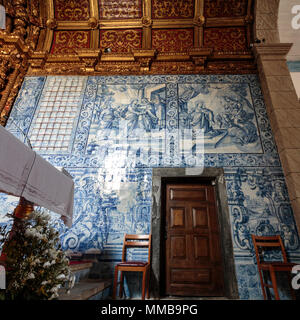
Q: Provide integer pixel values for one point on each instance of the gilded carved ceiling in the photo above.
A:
(142, 36)
(136, 36)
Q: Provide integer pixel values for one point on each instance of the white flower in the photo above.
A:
(53, 262)
(44, 282)
(28, 233)
(54, 289)
(39, 236)
(54, 295)
(46, 264)
(31, 276)
(73, 278)
(60, 277)
(32, 232)
(53, 253)
(46, 217)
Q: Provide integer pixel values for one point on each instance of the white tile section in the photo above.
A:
(58, 107)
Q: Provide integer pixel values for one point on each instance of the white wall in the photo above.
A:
(296, 79)
(288, 34)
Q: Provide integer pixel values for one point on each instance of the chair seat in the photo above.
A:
(277, 265)
(132, 264)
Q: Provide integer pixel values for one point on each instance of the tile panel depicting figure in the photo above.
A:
(124, 126)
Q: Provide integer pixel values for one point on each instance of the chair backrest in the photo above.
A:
(262, 242)
(136, 240)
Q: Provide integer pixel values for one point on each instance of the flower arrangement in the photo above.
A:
(36, 266)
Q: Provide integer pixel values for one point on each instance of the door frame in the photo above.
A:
(216, 176)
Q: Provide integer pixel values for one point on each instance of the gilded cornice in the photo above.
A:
(18, 42)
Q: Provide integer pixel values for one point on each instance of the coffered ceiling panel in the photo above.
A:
(143, 36)
(173, 9)
(228, 8)
(122, 40)
(116, 9)
(68, 42)
(72, 10)
(172, 40)
(228, 40)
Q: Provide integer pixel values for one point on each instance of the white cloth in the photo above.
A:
(24, 173)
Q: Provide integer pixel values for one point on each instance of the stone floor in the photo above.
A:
(86, 289)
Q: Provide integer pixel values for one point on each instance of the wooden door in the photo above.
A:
(193, 254)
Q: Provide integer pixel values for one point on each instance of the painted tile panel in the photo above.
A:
(224, 112)
(125, 126)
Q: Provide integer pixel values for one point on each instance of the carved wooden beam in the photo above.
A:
(144, 57)
(89, 59)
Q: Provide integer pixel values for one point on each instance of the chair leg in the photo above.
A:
(262, 285)
(291, 288)
(115, 283)
(148, 284)
(274, 283)
(121, 285)
(143, 285)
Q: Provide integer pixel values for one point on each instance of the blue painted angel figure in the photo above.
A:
(140, 114)
(203, 117)
(188, 92)
(159, 104)
(237, 122)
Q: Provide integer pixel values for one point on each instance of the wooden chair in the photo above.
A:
(260, 245)
(131, 241)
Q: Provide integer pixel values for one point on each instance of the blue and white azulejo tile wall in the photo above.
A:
(109, 132)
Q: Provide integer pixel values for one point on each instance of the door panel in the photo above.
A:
(193, 254)
(177, 218)
(201, 247)
(200, 217)
(183, 194)
(191, 276)
(178, 247)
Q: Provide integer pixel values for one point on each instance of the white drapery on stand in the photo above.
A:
(23, 173)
